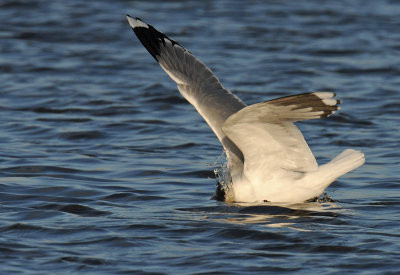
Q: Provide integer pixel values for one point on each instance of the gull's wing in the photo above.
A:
(267, 137)
(196, 82)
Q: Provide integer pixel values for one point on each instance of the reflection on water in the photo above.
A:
(273, 215)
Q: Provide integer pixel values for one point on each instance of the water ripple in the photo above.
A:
(104, 167)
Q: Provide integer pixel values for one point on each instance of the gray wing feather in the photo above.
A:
(196, 82)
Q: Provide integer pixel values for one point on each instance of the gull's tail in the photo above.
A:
(326, 174)
(345, 162)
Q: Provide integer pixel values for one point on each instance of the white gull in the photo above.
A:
(268, 158)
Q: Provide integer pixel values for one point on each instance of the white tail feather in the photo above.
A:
(346, 161)
(326, 174)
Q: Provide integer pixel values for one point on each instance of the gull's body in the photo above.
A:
(268, 158)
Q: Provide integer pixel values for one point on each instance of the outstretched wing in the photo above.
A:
(267, 137)
(196, 82)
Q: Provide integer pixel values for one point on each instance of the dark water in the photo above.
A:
(104, 168)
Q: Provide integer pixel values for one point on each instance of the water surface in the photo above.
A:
(104, 168)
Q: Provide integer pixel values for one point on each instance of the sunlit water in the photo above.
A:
(104, 168)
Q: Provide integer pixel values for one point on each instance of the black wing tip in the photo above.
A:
(136, 18)
(326, 103)
(150, 37)
(136, 22)
(147, 35)
(323, 102)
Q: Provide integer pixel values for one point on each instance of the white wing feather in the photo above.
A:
(267, 137)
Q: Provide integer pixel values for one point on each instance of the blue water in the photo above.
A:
(105, 169)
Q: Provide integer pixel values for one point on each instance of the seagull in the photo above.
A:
(267, 155)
